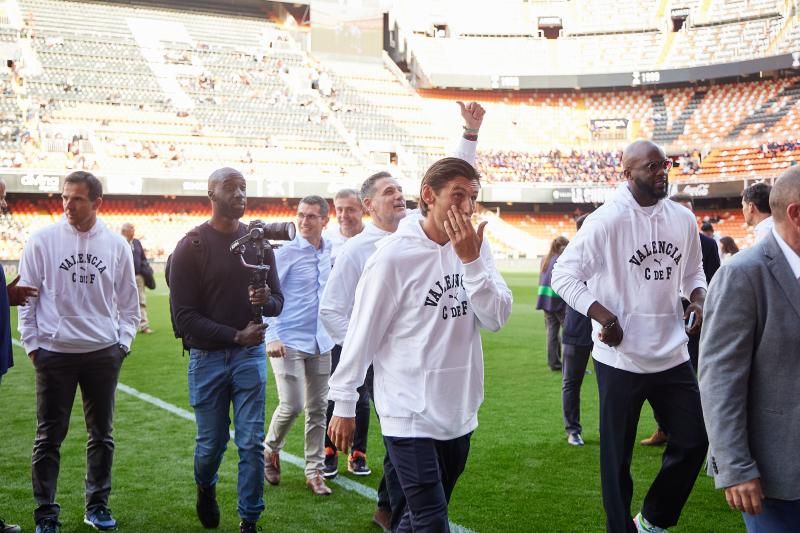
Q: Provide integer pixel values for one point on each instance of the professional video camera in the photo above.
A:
(258, 236)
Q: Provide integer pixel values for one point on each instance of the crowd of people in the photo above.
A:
(394, 316)
(551, 167)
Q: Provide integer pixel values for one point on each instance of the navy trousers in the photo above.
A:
(427, 470)
(675, 398)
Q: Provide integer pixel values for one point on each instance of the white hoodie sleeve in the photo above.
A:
(488, 294)
(581, 260)
(373, 312)
(337, 299)
(127, 297)
(693, 275)
(30, 276)
(466, 150)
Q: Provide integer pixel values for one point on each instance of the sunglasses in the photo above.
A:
(654, 166)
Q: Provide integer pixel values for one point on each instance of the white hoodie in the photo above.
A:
(336, 305)
(416, 318)
(636, 262)
(87, 290)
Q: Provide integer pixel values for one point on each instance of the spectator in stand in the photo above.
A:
(756, 210)
(551, 303)
(728, 247)
(578, 345)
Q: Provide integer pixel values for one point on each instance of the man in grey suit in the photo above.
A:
(750, 370)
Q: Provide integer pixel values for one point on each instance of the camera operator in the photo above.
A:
(211, 299)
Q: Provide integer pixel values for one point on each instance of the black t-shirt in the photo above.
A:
(209, 288)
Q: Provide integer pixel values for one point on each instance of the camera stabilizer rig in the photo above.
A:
(258, 236)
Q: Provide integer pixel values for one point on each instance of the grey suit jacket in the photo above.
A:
(749, 372)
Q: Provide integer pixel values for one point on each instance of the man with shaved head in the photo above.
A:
(626, 270)
(750, 368)
(211, 301)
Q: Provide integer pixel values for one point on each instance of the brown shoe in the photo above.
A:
(659, 438)
(383, 517)
(272, 467)
(317, 485)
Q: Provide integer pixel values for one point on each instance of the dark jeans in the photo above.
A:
(362, 407)
(58, 376)
(553, 322)
(573, 370)
(428, 470)
(675, 398)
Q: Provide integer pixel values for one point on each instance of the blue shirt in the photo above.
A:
(303, 271)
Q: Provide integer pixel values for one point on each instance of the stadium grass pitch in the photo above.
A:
(521, 474)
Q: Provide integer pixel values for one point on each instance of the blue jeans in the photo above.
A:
(777, 516)
(217, 379)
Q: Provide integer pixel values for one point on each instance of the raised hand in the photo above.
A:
(472, 113)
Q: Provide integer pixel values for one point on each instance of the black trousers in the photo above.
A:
(58, 375)
(675, 398)
(574, 360)
(362, 407)
(428, 470)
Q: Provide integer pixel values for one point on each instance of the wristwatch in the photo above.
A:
(124, 349)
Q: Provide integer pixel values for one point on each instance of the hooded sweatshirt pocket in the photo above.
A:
(80, 332)
(652, 335)
(452, 396)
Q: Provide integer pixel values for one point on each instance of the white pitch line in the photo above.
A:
(346, 483)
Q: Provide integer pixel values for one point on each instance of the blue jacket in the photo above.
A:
(577, 329)
(6, 356)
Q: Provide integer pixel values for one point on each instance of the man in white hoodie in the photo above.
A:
(77, 333)
(382, 197)
(419, 306)
(637, 255)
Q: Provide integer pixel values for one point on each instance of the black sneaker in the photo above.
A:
(48, 525)
(357, 464)
(331, 468)
(9, 528)
(248, 527)
(207, 507)
(100, 519)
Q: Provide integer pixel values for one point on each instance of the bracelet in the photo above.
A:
(610, 324)
(473, 131)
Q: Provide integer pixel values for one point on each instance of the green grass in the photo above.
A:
(521, 474)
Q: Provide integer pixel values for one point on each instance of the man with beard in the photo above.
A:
(211, 300)
(636, 254)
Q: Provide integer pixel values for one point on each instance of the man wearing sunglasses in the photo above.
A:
(637, 254)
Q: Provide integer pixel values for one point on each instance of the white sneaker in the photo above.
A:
(575, 439)
(643, 526)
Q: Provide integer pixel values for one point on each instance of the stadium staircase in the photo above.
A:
(770, 112)
(660, 133)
